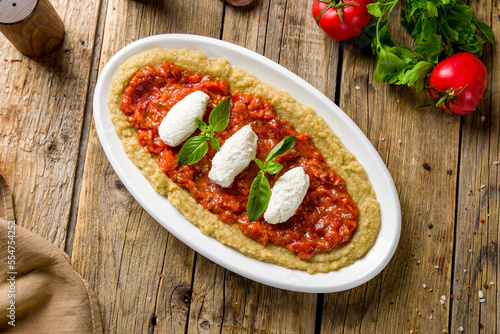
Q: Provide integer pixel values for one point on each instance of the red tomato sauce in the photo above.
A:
(326, 218)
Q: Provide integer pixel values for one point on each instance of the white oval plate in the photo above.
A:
(164, 212)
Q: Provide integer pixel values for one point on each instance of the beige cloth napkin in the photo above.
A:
(41, 292)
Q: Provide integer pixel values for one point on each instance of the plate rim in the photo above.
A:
(289, 279)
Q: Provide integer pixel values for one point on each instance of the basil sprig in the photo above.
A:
(439, 28)
(260, 191)
(195, 148)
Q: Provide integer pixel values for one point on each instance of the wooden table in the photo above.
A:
(146, 281)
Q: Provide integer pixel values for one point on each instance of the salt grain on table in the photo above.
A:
(480, 293)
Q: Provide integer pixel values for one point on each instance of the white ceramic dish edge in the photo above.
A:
(163, 211)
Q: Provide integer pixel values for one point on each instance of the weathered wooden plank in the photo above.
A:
(42, 104)
(285, 32)
(174, 293)
(306, 50)
(140, 273)
(118, 248)
(208, 304)
(406, 138)
(477, 233)
(86, 122)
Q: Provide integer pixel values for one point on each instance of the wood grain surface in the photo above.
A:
(42, 104)
(146, 281)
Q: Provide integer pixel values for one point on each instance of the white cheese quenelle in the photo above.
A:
(234, 156)
(286, 196)
(179, 123)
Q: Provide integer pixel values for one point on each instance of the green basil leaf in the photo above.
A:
(259, 163)
(281, 148)
(258, 198)
(219, 117)
(273, 167)
(193, 150)
(215, 143)
(201, 124)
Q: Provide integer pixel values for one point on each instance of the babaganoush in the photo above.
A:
(145, 73)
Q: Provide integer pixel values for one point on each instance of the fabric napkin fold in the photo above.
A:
(40, 292)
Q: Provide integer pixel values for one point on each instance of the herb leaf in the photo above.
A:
(365, 39)
(219, 117)
(215, 143)
(193, 150)
(260, 191)
(485, 30)
(273, 167)
(440, 28)
(201, 124)
(258, 198)
(259, 163)
(281, 148)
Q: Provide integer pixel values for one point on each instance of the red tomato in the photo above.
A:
(462, 74)
(341, 20)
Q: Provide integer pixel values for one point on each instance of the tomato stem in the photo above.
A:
(447, 96)
(338, 5)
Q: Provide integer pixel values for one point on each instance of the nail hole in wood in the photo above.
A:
(205, 325)
(119, 184)
(187, 298)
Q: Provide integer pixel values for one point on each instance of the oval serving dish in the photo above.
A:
(164, 212)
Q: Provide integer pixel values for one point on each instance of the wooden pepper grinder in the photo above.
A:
(33, 26)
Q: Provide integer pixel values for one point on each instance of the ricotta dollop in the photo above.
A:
(179, 123)
(286, 196)
(234, 156)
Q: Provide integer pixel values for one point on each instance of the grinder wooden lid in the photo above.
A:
(13, 11)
